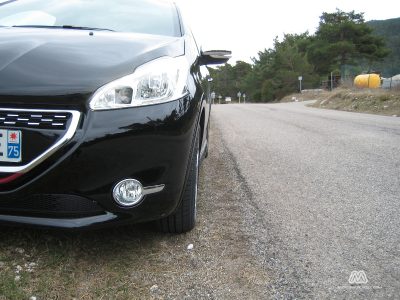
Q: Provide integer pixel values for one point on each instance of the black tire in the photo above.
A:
(184, 217)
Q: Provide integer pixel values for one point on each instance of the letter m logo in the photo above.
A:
(358, 277)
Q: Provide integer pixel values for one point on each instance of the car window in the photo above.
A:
(141, 16)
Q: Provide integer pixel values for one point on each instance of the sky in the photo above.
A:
(249, 26)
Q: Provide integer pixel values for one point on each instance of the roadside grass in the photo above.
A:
(372, 101)
(58, 265)
(107, 264)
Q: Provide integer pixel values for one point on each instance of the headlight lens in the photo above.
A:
(158, 81)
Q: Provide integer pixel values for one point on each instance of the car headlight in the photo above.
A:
(158, 81)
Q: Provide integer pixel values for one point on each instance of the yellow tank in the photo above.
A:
(372, 81)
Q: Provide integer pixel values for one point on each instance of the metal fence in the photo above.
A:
(348, 81)
(391, 83)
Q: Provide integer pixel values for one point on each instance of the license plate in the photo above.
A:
(10, 145)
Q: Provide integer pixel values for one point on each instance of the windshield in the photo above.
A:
(141, 16)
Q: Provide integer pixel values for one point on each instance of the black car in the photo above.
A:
(104, 113)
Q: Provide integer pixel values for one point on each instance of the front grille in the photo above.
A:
(45, 120)
(51, 205)
(4, 175)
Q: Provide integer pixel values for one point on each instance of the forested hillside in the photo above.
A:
(390, 31)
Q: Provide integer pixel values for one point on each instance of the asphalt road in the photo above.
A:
(320, 197)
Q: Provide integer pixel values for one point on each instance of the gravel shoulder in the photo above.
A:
(136, 262)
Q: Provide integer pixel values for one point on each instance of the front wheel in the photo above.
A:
(184, 217)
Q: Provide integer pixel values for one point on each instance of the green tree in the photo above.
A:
(343, 38)
(291, 61)
(280, 67)
(228, 80)
(262, 70)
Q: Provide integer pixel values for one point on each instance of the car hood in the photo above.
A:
(48, 62)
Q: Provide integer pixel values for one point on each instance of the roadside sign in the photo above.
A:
(239, 95)
(300, 79)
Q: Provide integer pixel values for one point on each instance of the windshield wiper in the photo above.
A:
(85, 28)
(64, 27)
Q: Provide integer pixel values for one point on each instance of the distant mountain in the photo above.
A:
(390, 30)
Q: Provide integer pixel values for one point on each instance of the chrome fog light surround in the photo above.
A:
(130, 192)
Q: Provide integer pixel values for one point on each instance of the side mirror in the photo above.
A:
(214, 57)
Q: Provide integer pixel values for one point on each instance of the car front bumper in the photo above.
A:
(72, 188)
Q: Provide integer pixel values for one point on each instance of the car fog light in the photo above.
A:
(128, 192)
